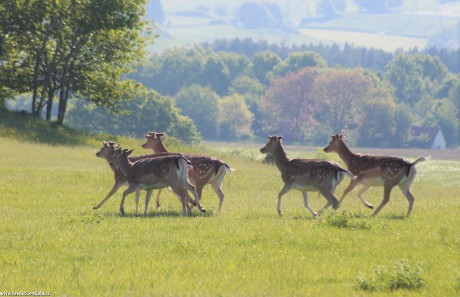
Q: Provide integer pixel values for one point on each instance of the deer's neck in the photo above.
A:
(345, 154)
(280, 157)
(160, 148)
(124, 166)
(112, 166)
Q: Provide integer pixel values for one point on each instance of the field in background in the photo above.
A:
(52, 240)
(410, 28)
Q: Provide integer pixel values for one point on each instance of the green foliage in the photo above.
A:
(404, 276)
(235, 119)
(62, 41)
(149, 111)
(263, 64)
(343, 219)
(298, 60)
(201, 105)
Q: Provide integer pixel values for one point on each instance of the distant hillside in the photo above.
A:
(295, 22)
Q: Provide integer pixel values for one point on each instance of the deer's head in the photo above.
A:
(120, 156)
(336, 142)
(273, 141)
(153, 139)
(107, 150)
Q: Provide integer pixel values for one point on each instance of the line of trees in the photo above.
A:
(301, 97)
(57, 50)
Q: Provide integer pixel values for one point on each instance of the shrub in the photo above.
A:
(404, 276)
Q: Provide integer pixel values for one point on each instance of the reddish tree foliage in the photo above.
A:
(289, 106)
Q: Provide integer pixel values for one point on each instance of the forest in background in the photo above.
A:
(242, 90)
(76, 65)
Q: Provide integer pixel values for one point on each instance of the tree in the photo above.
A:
(340, 92)
(376, 119)
(235, 118)
(263, 63)
(415, 76)
(403, 124)
(201, 105)
(298, 60)
(406, 77)
(174, 69)
(148, 111)
(76, 49)
(289, 105)
(216, 75)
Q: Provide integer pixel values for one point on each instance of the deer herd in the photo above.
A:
(186, 173)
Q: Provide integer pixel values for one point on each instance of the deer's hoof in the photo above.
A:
(203, 210)
(280, 213)
(95, 207)
(370, 206)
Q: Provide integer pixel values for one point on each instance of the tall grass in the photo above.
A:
(52, 240)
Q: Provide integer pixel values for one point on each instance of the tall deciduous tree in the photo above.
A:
(75, 49)
(235, 118)
(201, 105)
(289, 105)
(339, 91)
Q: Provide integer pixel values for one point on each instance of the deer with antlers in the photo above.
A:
(386, 171)
(204, 170)
(305, 175)
(107, 152)
(156, 173)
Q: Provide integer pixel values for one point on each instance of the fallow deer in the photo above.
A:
(305, 175)
(386, 171)
(204, 170)
(156, 173)
(107, 152)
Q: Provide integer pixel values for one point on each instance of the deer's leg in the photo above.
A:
(349, 188)
(196, 191)
(147, 200)
(217, 188)
(305, 202)
(405, 189)
(129, 190)
(360, 193)
(114, 189)
(217, 185)
(331, 200)
(284, 190)
(157, 200)
(138, 196)
(386, 197)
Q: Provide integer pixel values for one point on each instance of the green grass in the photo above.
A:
(52, 240)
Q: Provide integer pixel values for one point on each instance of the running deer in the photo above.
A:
(386, 171)
(305, 175)
(107, 152)
(156, 173)
(204, 170)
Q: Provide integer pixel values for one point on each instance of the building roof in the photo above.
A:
(430, 131)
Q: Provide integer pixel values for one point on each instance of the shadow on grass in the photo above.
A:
(158, 214)
(393, 217)
(25, 127)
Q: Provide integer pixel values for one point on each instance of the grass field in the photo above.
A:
(51, 239)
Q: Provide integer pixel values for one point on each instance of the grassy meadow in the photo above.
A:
(51, 239)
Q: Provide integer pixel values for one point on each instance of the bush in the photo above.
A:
(404, 276)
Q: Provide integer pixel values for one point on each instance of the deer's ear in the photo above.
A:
(129, 152)
(342, 137)
(161, 135)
